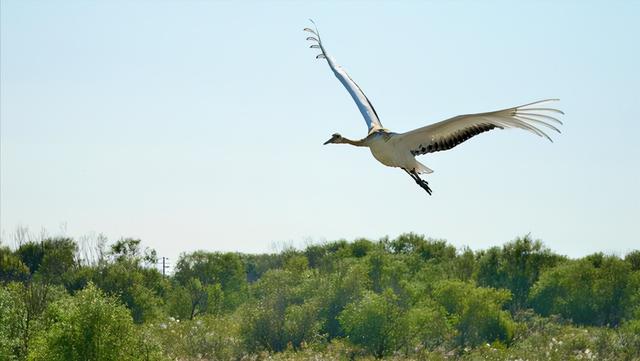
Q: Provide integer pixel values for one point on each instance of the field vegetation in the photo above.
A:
(406, 298)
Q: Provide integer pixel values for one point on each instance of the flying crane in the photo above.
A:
(400, 149)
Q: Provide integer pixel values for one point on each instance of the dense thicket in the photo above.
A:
(406, 297)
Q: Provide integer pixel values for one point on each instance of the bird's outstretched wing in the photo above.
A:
(448, 133)
(364, 105)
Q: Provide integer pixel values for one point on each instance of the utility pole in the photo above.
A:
(164, 265)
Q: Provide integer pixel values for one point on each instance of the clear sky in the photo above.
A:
(199, 124)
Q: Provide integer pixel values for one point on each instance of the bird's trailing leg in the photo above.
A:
(419, 181)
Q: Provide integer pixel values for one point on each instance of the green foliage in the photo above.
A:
(49, 260)
(59, 258)
(301, 323)
(10, 345)
(375, 322)
(428, 326)
(597, 290)
(205, 338)
(633, 258)
(226, 269)
(133, 285)
(129, 250)
(516, 267)
(284, 312)
(31, 254)
(410, 297)
(22, 306)
(361, 247)
(89, 326)
(257, 264)
(476, 312)
(427, 249)
(193, 299)
(11, 267)
(340, 289)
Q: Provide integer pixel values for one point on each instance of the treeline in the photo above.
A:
(408, 297)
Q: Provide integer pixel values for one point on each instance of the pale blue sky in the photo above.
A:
(199, 125)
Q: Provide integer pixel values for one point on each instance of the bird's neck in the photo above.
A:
(357, 143)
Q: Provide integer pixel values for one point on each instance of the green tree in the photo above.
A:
(208, 337)
(31, 254)
(361, 247)
(426, 249)
(225, 269)
(476, 311)
(132, 284)
(58, 260)
(285, 310)
(263, 323)
(11, 266)
(516, 267)
(375, 322)
(22, 307)
(301, 323)
(597, 290)
(428, 325)
(10, 345)
(50, 259)
(130, 250)
(203, 299)
(633, 258)
(130, 275)
(89, 326)
(342, 287)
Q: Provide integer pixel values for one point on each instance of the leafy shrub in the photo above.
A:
(11, 267)
(593, 291)
(476, 312)
(342, 287)
(375, 322)
(210, 268)
(427, 324)
(127, 281)
(284, 313)
(516, 266)
(9, 338)
(207, 337)
(21, 309)
(89, 326)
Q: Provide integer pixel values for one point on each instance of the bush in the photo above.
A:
(428, 325)
(594, 291)
(127, 281)
(516, 267)
(89, 326)
(9, 337)
(225, 269)
(375, 322)
(476, 312)
(284, 313)
(21, 309)
(207, 337)
(11, 267)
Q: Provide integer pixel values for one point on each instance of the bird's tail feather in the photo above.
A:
(422, 169)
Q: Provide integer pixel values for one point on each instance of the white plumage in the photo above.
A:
(400, 149)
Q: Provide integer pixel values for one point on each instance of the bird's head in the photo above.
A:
(335, 138)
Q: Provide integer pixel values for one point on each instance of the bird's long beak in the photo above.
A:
(328, 141)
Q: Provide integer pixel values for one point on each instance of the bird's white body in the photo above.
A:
(400, 149)
(386, 149)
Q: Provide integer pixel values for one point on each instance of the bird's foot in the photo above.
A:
(419, 181)
(424, 185)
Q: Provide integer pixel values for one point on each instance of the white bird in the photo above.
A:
(400, 149)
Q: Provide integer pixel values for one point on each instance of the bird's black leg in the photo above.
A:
(419, 181)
